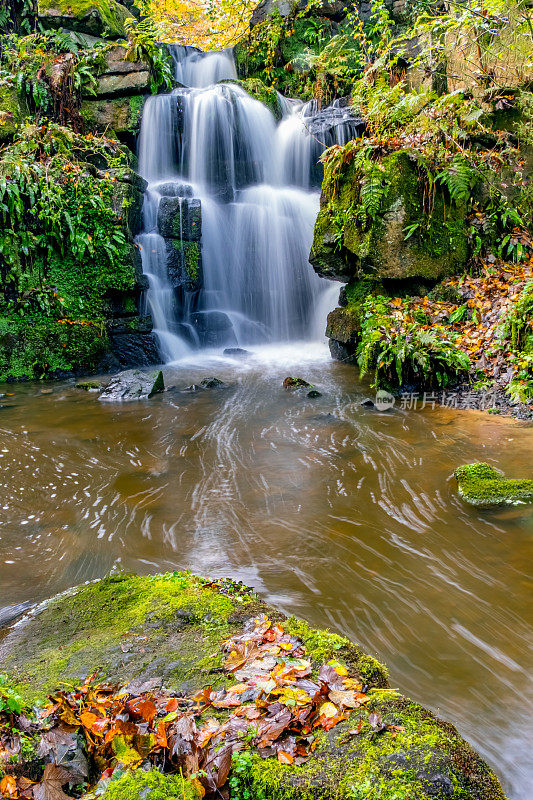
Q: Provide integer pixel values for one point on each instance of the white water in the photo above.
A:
(258, 186)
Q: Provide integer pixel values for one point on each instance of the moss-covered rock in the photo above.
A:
(104, 18)
(165, 626)
(143, 784)
(425, 758)
(167, 629)
(11, 114)
(401, 241)
(265, 94)
(483, 486)
(121, 115)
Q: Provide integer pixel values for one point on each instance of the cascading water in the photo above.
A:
(211, 146)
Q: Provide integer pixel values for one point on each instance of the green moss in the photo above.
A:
(347, 243)
(323, 645)
(11, 114)
(111, 14)
(136, 104)
(35, 347)
(141, 784)
(482, 485)
(174, 620)
(403, 766)
(265, 94)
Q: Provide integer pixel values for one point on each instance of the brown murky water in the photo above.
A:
(336, 513)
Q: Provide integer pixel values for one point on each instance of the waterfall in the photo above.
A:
(230, 209)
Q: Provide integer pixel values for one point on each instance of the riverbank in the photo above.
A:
(199, 678)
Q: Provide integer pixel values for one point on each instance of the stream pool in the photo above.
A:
(340, 514)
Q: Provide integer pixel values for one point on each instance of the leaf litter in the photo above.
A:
(275, 706)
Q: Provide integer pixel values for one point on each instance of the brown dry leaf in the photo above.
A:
(141, 708)
(347, 699)
(51, 786)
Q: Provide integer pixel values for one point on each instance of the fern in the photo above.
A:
(459, 178)
(373, 189)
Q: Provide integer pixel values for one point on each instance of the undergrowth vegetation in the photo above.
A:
(58, 229)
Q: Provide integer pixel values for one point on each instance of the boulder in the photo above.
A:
(295, 383)
(213, 328)
(117, 64)
(399, 242)
(101, 18)
(180, 218)
(121, 114)
(124, 85)
(163, 635)
(132, 385)
(332, 9)
(484, 486)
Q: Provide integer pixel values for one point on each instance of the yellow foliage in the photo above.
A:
(208, 25)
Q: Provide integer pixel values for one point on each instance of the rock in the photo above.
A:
(180, 218)
(184, 263)
(174, 189)
(103, 18)
(383, 250)
(121, 114)
(117, 64)
(101, 625)
(132, 385)
(127, 204)
(236, 352)
(367, 403)
(213, 328)
(295, 383)
(334, 9)
(131, 83)
(89, 386)
(484, 486)
(314, 393)
(212, 383)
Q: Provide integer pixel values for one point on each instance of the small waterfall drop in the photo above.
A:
(230, 209)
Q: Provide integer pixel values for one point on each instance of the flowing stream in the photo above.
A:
(340, 514)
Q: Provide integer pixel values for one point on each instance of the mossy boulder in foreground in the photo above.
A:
(167, 631)
(482, 485)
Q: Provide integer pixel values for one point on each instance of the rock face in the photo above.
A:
(120, 94)
(103, 18)
(400, 750)
(483, 486)
(179, 221)
(382, 247)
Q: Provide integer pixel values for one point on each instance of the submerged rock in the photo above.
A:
(236, 352)
(483, 486)
(295, 383)
(212, 383)
(314, 393)
(166, 631)
(132, 385)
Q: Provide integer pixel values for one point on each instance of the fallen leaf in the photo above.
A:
(51, 786)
